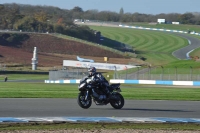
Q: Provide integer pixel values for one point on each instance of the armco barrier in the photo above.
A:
(122, 81)
(71, 81)
(156, 82)
(100, 119)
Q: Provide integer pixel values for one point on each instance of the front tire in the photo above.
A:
(119, 102)
(82, 102)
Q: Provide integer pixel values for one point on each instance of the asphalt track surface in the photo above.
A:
(37, 107)
(193, 44)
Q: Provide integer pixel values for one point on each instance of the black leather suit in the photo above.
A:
(98, 78)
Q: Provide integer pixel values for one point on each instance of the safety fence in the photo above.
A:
(160, 73)
(76, 73)
(146, 73)
(2, 67)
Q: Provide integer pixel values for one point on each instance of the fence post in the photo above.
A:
(77, 73)
(162, 72)
(138, 73)
(115, 72)
(191, 73)
(126, 72)
(149, 73)
(176, 72)
(169, 76)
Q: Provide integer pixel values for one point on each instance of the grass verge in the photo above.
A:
(25, 76)
(135, 92)
(98, 126)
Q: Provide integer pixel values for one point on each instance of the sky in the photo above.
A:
(129, 6)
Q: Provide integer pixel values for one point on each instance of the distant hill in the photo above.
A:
(51, 50)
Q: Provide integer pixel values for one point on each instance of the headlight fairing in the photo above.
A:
(81, 85)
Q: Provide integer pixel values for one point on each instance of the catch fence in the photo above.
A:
(160, 73)
(2, 67)
(75, 73)
(148, 73)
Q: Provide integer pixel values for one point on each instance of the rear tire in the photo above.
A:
(119, 103)
(85, 104)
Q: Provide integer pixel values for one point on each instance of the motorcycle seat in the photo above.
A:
(115, 85)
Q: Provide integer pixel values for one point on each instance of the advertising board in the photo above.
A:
(104, 66)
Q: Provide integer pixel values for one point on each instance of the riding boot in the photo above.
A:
(108, 93)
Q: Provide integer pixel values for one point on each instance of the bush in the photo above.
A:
(16, 38)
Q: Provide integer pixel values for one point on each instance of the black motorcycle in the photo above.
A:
(90, 91)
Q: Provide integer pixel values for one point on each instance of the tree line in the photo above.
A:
(41, 19)
(53, 19)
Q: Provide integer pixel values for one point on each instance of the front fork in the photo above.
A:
(86, 96)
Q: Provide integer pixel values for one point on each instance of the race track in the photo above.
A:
(37, 107)
(180, 53)
(43, 107)
(194, 43)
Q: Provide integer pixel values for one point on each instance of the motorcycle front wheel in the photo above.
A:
(82, 102)
(119, 102)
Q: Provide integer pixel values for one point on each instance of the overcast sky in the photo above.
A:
(131, 6)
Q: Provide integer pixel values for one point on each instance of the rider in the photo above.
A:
(99, 78)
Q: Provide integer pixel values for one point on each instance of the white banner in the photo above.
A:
(105, 66)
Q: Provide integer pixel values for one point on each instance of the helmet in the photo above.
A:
(92, 69)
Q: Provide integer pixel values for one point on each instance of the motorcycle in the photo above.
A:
(90, 91)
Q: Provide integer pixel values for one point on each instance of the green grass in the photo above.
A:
(37, 90)
(184, 64)
(136, 92)
(159, 93)
(180, 27)
(181, 67)
(24, 76)
(196, 52)
(156, 47)
(92, 127)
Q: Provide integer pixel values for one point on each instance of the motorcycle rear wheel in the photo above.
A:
(117, 104)
(85, 104)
